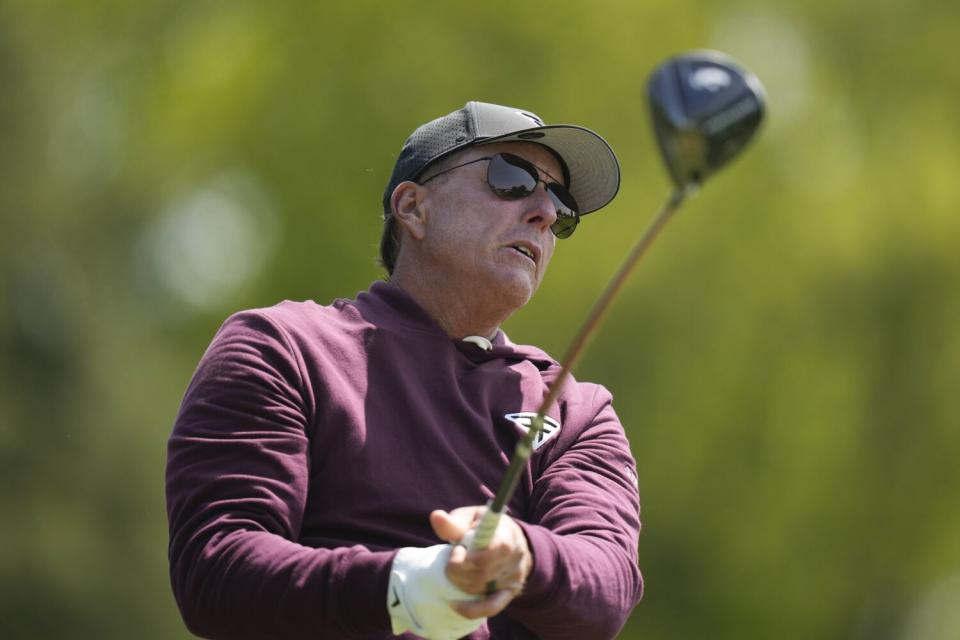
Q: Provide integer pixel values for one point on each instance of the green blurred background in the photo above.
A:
(785, 362)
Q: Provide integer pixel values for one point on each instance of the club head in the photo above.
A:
(705, 108)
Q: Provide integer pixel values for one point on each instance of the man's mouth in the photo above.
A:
(524, 250)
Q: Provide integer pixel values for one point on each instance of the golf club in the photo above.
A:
(705, 108)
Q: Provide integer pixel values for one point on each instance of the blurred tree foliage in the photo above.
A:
(785, 362)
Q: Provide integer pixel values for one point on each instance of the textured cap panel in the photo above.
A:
(594, 172)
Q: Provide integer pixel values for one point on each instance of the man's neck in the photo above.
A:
(455, 309)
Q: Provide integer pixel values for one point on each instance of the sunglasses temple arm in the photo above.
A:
(482, 534)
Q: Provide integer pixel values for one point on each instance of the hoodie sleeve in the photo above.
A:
(583, 530)
(237, 472)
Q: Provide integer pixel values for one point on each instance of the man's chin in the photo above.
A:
(516, 291)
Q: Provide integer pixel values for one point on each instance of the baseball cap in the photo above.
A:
(591, 170)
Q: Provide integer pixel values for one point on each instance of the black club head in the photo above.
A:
(705, 108)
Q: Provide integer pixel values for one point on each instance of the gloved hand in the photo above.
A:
(504, 565)
(419, 594)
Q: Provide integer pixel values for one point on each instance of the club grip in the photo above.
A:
(480, 536)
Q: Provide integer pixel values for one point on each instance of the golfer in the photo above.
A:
(327, 462)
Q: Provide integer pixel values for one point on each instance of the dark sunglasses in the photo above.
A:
(511, 178)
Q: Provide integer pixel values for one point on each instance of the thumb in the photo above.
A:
(446, 526)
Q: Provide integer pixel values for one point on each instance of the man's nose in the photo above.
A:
(541, 209)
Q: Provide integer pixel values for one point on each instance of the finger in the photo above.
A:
(473, 575)
(509, 551)
(464, 575)
(467, 579)
(458, 556)
(485, 608)
(446, 526)
(453, 525)
(507, 538)
(470, 515)
(493, 563)
(512, 584)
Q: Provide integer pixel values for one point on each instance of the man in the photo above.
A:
(327, 460)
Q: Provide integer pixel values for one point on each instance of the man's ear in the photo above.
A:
(405, 203)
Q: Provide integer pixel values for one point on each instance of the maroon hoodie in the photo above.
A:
(314, 441)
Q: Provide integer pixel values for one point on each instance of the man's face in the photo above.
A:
(473, 235)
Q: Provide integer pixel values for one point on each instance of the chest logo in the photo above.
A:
(524, 419)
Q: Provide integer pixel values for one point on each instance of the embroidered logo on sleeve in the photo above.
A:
(524, 419)
(631, 476)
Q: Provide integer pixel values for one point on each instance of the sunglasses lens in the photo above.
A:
(511, 177)
(565, 226)
(567, 216)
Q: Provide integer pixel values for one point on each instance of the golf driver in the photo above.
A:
(705, 108)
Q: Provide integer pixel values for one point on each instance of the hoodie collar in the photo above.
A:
(390, 307)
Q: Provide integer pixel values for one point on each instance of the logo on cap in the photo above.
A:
(536, 120)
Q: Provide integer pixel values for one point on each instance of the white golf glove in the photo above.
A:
(419, 594)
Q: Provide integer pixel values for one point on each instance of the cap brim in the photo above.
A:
(594, 169)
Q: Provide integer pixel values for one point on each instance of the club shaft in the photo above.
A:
(485, 529)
